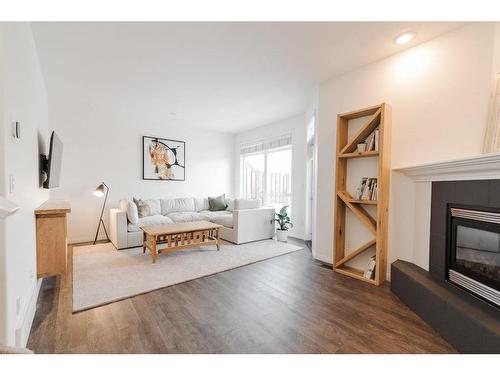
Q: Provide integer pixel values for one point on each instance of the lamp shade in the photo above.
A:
(99, 191)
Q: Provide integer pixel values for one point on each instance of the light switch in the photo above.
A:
(12, 184)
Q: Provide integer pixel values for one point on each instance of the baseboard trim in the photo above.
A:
(324, 264)
(300, 236)
(23, 329)
(79, 240)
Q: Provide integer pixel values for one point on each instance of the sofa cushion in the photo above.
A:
(183, 217)
(225, 220)
(149, 220)
(147, 207)
(132, 213)
(217, 203)
(177, 205)
(244, 204)
(213, 214)
(200, 204)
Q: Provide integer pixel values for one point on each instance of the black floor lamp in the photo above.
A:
(99, 192)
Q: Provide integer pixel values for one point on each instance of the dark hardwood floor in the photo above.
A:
(288, 304)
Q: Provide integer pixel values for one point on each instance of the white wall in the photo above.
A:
(103, 142)
(297, 127)
(23, 99)
(311, 171)
(439, 93)
(496, 49)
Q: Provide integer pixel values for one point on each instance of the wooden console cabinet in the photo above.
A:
(51, 238)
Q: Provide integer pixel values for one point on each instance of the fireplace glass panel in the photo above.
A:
(478, 252)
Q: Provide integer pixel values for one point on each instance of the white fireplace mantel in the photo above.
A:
(480, 167)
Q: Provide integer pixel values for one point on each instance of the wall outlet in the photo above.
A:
(12, 184)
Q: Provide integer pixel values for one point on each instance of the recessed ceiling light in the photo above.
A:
(405, 37)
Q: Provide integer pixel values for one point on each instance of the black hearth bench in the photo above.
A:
(466, 322)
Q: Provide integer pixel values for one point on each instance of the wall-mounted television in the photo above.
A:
(51, 164)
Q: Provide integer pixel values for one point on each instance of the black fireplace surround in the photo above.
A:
(473, 251)
(463, 253)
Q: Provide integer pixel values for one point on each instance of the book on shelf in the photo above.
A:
(360, 189)
(373, 141)
(370, 270)
(367, 189)
(370, 142)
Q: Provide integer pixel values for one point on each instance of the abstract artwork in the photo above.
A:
(163, 159)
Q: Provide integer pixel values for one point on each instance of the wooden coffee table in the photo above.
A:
(180, 236)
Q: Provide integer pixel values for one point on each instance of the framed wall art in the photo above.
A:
(163, 159)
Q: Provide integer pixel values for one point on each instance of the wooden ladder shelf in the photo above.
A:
(377, 117)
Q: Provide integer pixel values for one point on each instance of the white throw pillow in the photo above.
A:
(244, 204)
(132, 213)
(230, 204)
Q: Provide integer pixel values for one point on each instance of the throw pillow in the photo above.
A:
(217, 203)
(230, 204)
(132, 213)
(147, 207)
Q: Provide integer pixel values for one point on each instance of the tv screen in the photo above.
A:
(53, 163)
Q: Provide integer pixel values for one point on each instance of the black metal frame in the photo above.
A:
(100, 218)
(452, 223)
(163, 139)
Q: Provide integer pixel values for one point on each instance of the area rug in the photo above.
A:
(102, 274)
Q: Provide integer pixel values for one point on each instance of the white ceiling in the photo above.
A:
(222, 76)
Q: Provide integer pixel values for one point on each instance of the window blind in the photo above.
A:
(266, 145)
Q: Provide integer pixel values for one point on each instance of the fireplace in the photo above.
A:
(473, 251)
(459, 295)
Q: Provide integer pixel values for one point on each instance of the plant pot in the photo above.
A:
(281, 235)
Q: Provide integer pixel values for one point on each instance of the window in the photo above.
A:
(266, 170)
(253, 176)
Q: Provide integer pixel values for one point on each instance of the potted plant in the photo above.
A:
(284, 223)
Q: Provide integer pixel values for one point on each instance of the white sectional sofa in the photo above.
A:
(242, 221)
